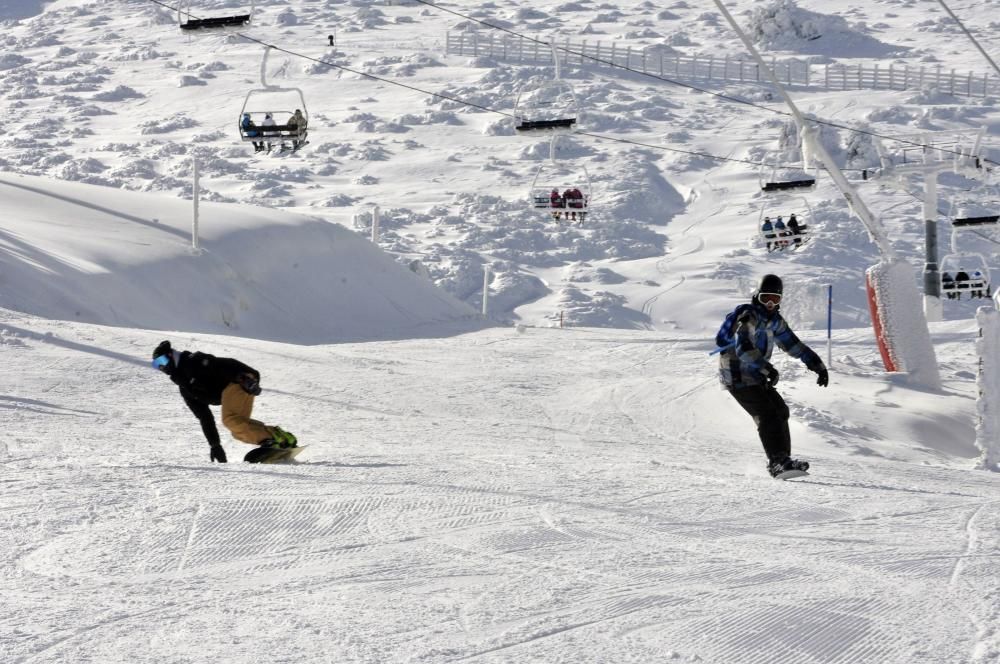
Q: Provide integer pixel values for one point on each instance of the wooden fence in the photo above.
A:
(655, 61)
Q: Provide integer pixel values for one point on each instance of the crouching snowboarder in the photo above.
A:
(745, 342)
(205, 380)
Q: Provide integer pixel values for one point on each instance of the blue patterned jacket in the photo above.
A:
(747, 338)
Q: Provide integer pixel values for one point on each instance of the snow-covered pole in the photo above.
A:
(555, 57)
(375, 220)
(988, 382)
(486, 287)
(933, 307)
(829, 326)
(195, 195)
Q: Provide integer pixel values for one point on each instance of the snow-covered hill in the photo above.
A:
(117, 95)
(87, 253)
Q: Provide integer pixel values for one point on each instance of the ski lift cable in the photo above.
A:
(350, 70)
(689, 86)
(972, 38)
(470, 104)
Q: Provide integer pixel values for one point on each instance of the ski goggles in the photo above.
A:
(769, 298)
(161, 361)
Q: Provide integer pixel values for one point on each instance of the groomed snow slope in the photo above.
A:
(551, 496)
(94, 254)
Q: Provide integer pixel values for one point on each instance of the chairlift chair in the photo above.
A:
(965, 273)
(549, 106)
(187, 21)
(973, 213)
(544, 105)
(263, 101)
(785, 224)
(784, 178)
(563, 192)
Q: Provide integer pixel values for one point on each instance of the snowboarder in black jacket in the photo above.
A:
(745, 342)
(205, 380)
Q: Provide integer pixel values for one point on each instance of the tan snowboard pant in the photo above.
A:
(236, 408)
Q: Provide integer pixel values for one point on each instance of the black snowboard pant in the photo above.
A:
(770, 413)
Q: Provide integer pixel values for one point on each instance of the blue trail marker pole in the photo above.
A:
(829, 326)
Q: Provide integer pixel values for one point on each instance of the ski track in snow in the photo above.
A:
(443, 531)
(576, 495)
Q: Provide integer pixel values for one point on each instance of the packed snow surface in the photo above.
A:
(487, 490)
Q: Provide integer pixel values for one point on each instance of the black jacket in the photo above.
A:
(202, 378)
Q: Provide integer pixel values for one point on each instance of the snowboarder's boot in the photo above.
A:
(787, 464)
(283, 438)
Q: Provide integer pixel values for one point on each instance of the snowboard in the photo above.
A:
(273, 454)
(790, 474)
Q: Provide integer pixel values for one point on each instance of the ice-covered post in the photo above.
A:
(486, 288)
(375, 214)
(195, 195)
(988, 382)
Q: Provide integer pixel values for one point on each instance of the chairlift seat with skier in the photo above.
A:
(255, 129)
(787, 224)
(188, 22)
(965, 273)
(562, 192)
(260, 122)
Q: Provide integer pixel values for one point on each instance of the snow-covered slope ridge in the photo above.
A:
(94, 254)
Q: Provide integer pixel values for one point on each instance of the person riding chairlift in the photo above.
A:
(250, 129)
(299, 122)
(268, 122)
(796, 229)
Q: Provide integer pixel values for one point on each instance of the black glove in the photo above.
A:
(249, 383)
(216, 453)
(824, 377)
(770, 374)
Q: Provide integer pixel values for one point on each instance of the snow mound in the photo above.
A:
(781, 25)
(259, 273)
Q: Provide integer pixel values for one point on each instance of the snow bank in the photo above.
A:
(101, 256)
(783, 25)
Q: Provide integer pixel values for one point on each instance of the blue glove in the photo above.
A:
(824, 376)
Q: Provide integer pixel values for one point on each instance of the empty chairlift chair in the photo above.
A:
(783, 179)
(544, 105)
(236, 20)
(974, 213)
